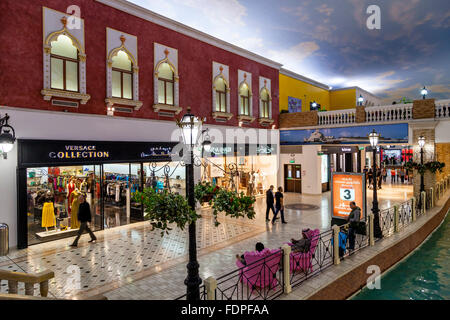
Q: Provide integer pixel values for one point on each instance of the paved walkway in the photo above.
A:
(134, 262)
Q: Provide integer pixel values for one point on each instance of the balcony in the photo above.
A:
(396, 113)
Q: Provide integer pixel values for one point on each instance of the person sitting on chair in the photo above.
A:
(303, 244)
(258, 247)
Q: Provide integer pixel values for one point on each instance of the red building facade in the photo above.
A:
(23, 49)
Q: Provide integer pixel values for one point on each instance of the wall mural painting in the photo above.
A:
(393, 133)
(294, 104)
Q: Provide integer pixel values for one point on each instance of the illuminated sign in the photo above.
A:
(157, 151)
(221, 150)
(79, 152)
(264, 150)
(345, 188)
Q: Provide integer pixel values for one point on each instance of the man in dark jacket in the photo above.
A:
(269, 202)
(84, 216)
(353, 218)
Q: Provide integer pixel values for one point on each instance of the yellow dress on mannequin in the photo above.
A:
(74, 223)
(48, 215)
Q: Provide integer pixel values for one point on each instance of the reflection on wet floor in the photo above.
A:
(134, 262)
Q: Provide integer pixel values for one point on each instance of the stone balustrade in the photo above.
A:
(391, 113)
(337, 117)
(397, 113)
(14, 278)
(442, 109)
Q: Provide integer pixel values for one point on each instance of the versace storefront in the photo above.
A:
(51, 175)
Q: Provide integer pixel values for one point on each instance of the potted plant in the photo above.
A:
(165, 208)
(205, 192)
(432, 166)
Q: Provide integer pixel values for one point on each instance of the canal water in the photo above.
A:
(424, 275)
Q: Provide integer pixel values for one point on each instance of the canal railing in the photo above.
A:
(282, 270)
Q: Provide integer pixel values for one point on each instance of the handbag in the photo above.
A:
(359, 227)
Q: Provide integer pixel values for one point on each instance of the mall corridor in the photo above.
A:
(133, 262)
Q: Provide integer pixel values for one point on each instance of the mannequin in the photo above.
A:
(84, 187)
(70, 189)
(48, 213)
(74, 223)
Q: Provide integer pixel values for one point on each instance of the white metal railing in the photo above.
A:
(442, 109)
(395, 112)
(337, 117)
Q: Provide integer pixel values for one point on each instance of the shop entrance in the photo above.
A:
(53, 174)
(293, 178)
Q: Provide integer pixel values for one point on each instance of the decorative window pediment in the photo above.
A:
(245, 104)
(122, 73)
(221, 92)
(166, 81)
(265, 102)
(64, 58)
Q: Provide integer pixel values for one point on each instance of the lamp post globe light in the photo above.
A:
(360, 100)
(424, 92)
(373, 139)
(7, 136)
(421, 143)
(314, 104)
(190, 127)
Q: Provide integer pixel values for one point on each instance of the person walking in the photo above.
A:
(353, 219)
(384, 173)
(370, 176)
(402, 175)
(279, 205)
(366, 171)
(392, 175)
(269, 202)
(84, 216)
(379, 178)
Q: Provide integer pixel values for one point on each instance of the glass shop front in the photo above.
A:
(256, 166)
(52, 174)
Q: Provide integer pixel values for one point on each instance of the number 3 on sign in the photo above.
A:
(348, 194)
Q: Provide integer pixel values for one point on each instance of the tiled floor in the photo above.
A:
(133, 262)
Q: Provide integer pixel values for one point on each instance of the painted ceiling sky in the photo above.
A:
(329, 41)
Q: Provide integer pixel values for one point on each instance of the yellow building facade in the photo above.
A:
(293, 85)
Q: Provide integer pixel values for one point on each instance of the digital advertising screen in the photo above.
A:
(345, 188)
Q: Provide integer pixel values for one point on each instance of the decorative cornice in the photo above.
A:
(153, 17)
(219, 114)
(165, 107)
(124, 102)
(267, 121)
(246, 118)
(50, 93)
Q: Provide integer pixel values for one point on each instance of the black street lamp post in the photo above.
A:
(422, 180)
(373, 138)
(360, 100)
(190, 127)
(191, 131)
(424, 93)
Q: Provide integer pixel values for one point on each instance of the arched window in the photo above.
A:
(166, 83)
(64, 64)
(221, 95)
(265, 99)
(122, 76)
(244, 93)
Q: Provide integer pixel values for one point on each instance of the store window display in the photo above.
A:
(255, 173)
(155, 177)
(52, 201)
